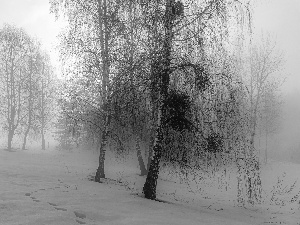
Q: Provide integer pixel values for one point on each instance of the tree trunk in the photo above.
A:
(10, 139)
(149, 188)
(140, 159)
(43, 141)
(29, 107)
(25, 138)
(104, 37)
(11, 128)
(12, 102)
(100, 171)
(150, 153)
(266, 151)
(43, 112)
(164, 80)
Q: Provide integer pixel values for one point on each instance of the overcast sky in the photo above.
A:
(34, 17)
(280, 18)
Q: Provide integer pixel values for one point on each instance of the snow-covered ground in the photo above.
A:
(53, 187)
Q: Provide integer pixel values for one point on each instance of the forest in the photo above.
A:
(178, 86)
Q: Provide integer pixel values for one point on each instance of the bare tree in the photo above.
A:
(31, 88)
(264, 64)
(14, 46)
(258, 75)
(46, 96)
(271, 111)
(94, 28)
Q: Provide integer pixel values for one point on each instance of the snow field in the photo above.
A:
(53, 187)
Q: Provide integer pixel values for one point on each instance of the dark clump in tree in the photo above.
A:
(178, 106)
(177, 9)
(214, 143)
(202, 81)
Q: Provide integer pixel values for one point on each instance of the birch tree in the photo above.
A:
(92, 41)
(170, 23)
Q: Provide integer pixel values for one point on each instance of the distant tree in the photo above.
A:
(258, 76)
(14, 44)
(67, 125)
(31, 88)
(271, 111)
(265, 62)
(46, 107)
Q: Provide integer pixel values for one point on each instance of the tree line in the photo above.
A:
(27, 86)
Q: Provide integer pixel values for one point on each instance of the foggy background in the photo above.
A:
(280, 19)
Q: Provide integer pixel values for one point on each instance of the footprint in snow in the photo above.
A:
(52, 204)
(59, 208)
(33, 198)
(79, 215)
(80, 222)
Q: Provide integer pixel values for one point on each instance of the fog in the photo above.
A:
(285, 145)
(280, 20)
